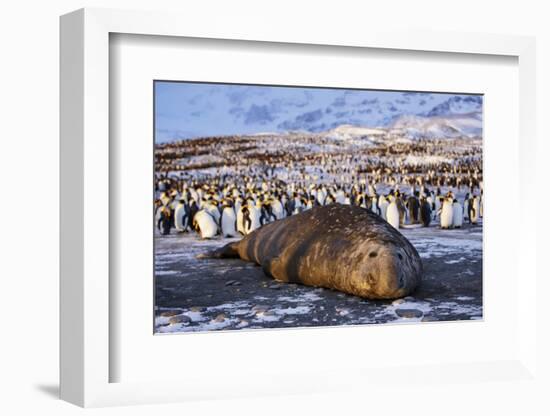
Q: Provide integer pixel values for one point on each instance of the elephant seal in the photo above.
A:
(341, 247)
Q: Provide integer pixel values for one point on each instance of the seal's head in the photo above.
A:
(387, 271)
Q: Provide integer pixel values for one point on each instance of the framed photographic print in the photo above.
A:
(374, 195)
(274, 206)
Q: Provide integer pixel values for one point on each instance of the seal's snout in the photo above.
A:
(389, 268)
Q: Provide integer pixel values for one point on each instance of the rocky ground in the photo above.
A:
(202, 295)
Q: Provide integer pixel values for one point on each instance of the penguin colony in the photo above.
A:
(231, 186)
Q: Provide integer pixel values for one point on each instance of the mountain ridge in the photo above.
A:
(190, 110)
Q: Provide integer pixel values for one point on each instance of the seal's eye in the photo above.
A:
(373, 254)
(400, 256)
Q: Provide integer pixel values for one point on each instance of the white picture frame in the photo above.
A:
(85, 258)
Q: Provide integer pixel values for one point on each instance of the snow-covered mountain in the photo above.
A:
(185, 110)
(449, 126)
(347, 131)
(457, 104)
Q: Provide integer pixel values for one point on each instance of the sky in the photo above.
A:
(188, 110)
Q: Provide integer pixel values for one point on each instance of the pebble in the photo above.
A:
(342, 311)
(167, 314)
(274, 286)
(179, 319)
(398, 302)
(197, 309)
(409, 313)
(220, 318)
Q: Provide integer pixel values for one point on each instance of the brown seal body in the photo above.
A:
(339, 247)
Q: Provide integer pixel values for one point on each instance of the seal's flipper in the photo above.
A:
(267, 266)
(276, 269)
(228, 251)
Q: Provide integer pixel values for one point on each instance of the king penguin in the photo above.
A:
(425, 212)
(383, 205)
(457, 214)
(228, 221)
(181, 216)
(205, 224)
(447, 213)
(474, 209)
(392, 213)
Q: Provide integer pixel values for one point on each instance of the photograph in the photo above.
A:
(285, 206)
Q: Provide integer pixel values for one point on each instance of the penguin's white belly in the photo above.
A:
(277, 209)
(474, 216)
(374, 207)
(447, 215)
(228, 223)
(207, 225)
(384, 209)
(254, 220)
(240, 223)
(180, 218)
(457, 215)
(321, 197)
(392, 215)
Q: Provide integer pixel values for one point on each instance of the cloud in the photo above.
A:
(370, 102)
(339, 102)
(303, 121)
(258, 114)
(237, 96)
(341, 114)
